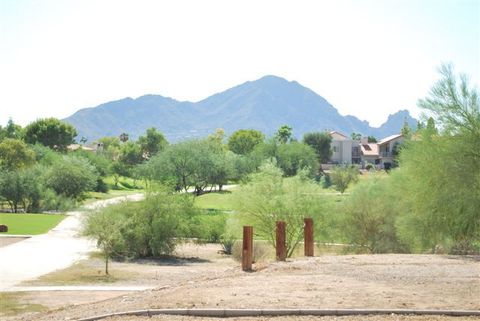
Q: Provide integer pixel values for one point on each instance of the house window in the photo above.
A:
(334, 149)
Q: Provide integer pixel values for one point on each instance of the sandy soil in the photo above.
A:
(302, 318)
(206, 279)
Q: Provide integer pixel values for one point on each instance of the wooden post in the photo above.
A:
(308, 237)
(247, 249)
(280, 244)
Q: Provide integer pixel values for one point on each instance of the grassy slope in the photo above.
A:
(30, 224)
(219, 201)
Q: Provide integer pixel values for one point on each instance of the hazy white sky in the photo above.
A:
(367, 58)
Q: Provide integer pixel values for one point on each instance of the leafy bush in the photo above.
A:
(51, 201)
(148, 228)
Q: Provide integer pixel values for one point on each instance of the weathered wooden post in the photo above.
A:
(247, 249)
(308, 237)
(280, 242)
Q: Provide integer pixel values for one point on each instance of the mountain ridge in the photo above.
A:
(264, 104)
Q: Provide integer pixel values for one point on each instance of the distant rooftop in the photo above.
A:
(389, 138)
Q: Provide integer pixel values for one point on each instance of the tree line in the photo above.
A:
(429, 203)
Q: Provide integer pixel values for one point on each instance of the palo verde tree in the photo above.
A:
(270, 197)
(440, 173)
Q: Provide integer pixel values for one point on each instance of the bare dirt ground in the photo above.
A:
(5, 240)
(202, 278)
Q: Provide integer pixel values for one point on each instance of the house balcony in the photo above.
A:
(386, 154)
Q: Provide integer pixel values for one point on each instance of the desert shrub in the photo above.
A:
(262, 252)
(227, 241)
(149, 228)
(270, 197)
(342, 176)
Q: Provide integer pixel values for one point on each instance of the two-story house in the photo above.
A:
(348, 151)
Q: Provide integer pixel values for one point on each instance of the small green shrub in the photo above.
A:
(227, 241)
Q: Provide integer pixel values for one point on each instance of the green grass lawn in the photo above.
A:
(217, 200)
(124, 183)
(30, 224)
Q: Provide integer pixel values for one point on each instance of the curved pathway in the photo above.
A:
(45, 253)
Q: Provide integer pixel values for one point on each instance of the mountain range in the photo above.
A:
(264, 104)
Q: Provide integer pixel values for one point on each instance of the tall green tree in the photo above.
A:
(152, 143)
(50, 132)
(243, 141)
(131, 154)
(11, 130)
(190, 164)
(406, 131)
(15, 154)
(71, 176)
(356, 136)
(320, 142)
(284, 134)
(124, 137)
(294, 157)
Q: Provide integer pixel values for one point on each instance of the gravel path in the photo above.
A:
(57, 249)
